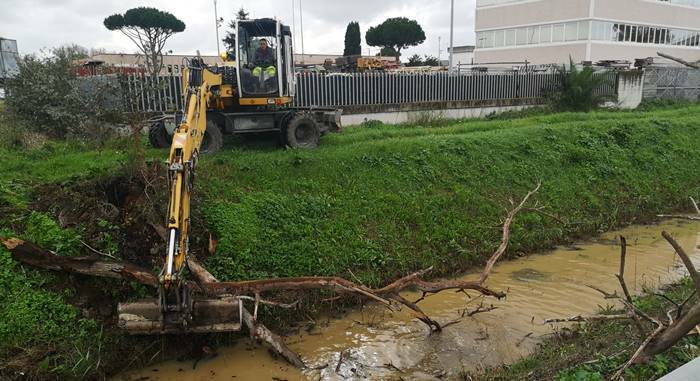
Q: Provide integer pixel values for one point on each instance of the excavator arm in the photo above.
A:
(175, 310)
(182, 162)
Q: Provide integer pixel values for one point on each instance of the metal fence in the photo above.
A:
(671, 82)
(143, 93)
(375, 89)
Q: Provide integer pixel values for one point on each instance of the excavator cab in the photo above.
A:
(265, 60)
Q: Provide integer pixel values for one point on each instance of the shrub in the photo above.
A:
(577, 89)
(46, 97)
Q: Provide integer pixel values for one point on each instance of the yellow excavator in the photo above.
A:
(252, 91)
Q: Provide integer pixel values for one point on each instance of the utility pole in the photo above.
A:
(439, 48)
(216, 24)
(294, 24)
(452, 34)
(301, 25)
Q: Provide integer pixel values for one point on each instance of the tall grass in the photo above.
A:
(386, 201)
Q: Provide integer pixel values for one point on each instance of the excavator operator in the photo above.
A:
(264, 60)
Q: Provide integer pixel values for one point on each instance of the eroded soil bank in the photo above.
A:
(377, 344)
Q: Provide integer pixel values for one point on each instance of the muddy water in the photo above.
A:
(377, 344)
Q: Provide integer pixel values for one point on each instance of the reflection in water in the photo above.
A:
(378, 344)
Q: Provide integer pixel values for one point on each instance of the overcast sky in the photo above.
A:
(38, 24)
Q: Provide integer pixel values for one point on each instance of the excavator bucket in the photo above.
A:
(144, 317)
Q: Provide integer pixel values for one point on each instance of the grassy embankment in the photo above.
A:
(594, 352)
(380, 201)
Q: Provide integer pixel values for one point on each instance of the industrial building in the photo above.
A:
(551, 31)
(463, 55)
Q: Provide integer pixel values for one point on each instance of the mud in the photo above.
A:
(372, 343)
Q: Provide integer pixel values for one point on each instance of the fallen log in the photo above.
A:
(35, 256)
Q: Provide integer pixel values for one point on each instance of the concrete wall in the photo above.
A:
(537, 54)
(630, 88)
(398, 117)
(531, 12)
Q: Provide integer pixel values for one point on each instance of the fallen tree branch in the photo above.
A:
(621, 278)
(695, 205)
(584, 319)
(679, 60)
(679, 216)
(257, 330)
(35, 256)
(694, 275)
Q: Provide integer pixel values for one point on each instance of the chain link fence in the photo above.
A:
(672, 83)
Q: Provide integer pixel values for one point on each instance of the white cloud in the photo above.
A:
(37, 24)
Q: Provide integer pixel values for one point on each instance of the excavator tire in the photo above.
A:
(213, 139)
(302, 132)
(158, 135)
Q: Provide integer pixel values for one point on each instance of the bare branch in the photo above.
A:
(695, 205)
(679, 216)
(623, 285)
(694, 275)
(506, 235)
(582, 319)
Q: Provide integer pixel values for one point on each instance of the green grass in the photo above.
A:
(379, 201)
(388, 200)
(594, 352)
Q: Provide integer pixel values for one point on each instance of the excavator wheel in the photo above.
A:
(213, 139)
(158, 135)
(302, 132)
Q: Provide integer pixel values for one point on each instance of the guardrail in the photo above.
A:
(374, 89)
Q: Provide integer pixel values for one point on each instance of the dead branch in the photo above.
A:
(506, 235)
(638, 353)
(256, 330)
(35, 256)
(695, 205)
(694, 275)
(623, 284)
(586, 319)
(679, 60)
(679, 216)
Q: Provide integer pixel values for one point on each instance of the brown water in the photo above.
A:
(378, 344)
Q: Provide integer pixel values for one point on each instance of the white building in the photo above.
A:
(549, 31)
(463, 55)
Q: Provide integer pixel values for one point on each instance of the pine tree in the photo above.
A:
(353, 39)
(230, 38)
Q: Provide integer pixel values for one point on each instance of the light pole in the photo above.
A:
(301, 25)
(452, 33)
(216, 24)
(294, 24)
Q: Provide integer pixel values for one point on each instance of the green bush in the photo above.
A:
(46, 97)
(577, 89)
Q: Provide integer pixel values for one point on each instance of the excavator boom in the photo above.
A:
(175, 310)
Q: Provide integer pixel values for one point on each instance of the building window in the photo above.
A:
(691, 3)
(510, 37)
(499, 38)
(583, 27)
(546, 34)
(580, 31)
(521, 36)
